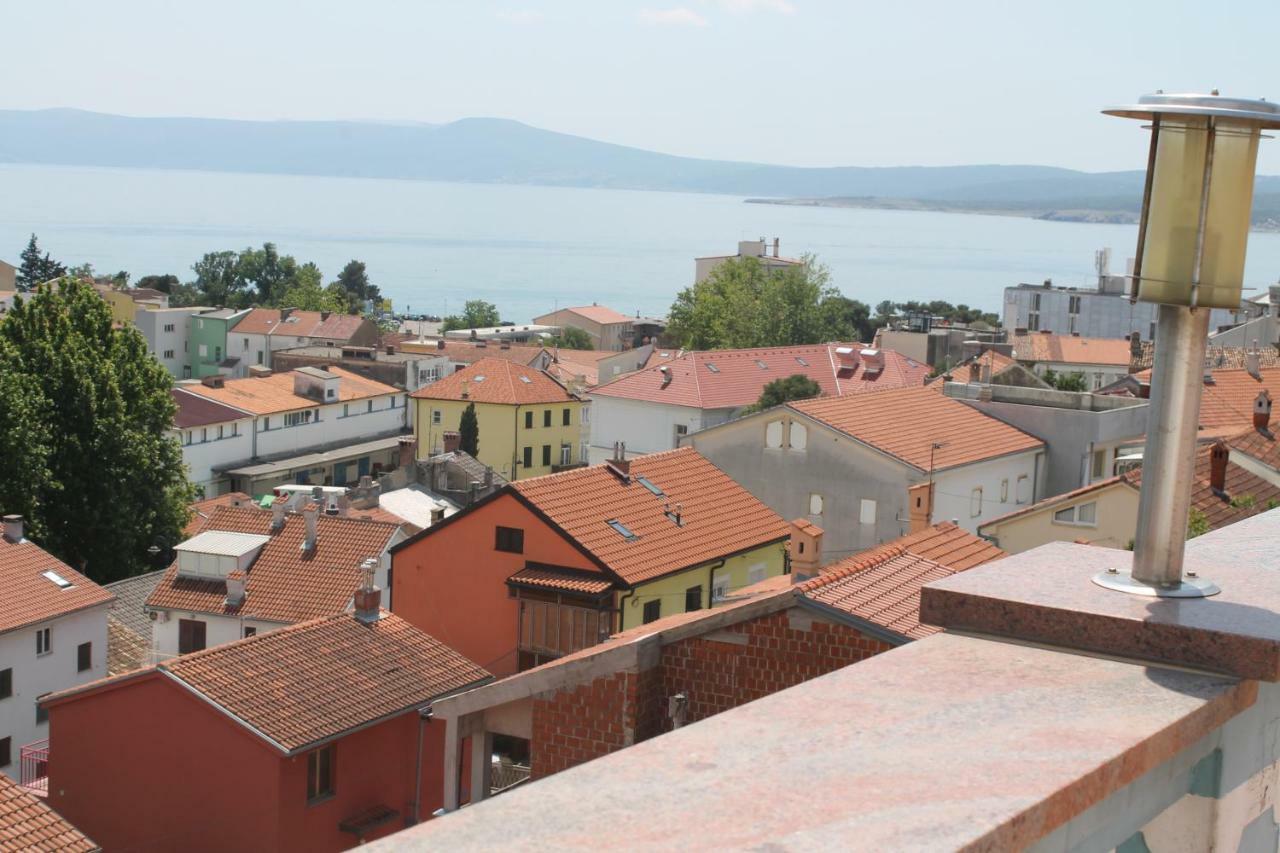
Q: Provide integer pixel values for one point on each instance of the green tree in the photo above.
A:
(779, 391)
(218, 280)
(571, 337)
(354, 282)
(103, 479)
(34, 268)
(476, 314)
(269, 272)
(1075, 381)
(469, 430)
(162, 283)
(305, 292)
(850, 319)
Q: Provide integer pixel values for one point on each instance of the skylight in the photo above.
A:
(802, 361)
(480, 378)
(650, 485)
(622, 529)
(58, 579)
(526, 380)
(760, 364)
(712, 367)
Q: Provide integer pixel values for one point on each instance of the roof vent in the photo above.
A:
(368, 599)
(13, 528)
(618, 465)
(847, 358)
(217, 380)
(874, 359)
(665, 370)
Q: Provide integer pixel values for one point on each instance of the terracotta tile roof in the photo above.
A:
(1065, 497)
(1069, 349)
(1246, 494)
(28, 597)
(127, 650)
(883, 585)
(259, 321)
(567, 580)
(339, 327)
(494, 380)
(718, 517)
(601, 314)
(267, 395)
(1259, 445)
(468, 352)
(905, 423)
(201, 510)
(1216, 357)
(724, 379)
(1226, 406)
(195, 410)
(285, 583)
(27, 823)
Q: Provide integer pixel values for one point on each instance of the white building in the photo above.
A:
(251, 571)
(213, 437)
(758, 249)
(326, 427)
(167, 331)
(53, 635)
(262, 331)
(1089, 312)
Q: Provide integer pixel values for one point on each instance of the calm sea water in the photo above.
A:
(432, 245)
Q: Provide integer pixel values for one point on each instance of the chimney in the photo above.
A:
(284, 314)
(368, 598)
(235, 588)
(665, 370)
(277, 515)
(1218, 466)
(466, 393)
(1261, 422)
(505, 345)
(805, 550)
(342, 506)
(619, 465)
(775, 246)
(217, 380)
(324, 315)
(874, 360)
(452, 441)
(1253, 361)
(13, 528)
(391, 350)
(437, 514)
(311, 516)
(1135, 344)
(440, 344)
(975, 371)
(920, 498)
(847, 357)
(408, 451)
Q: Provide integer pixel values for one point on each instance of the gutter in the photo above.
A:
(864, 625)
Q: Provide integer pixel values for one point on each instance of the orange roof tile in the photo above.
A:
(28, 597)
(1246, 494)
(28, 823)
(494, 380)
(1259, 445)
(267, 395)
(905, 424)
(1069, 349)
(286, 584)
(555, 577)
(724, 379)
(1226, 406)
(950, 545)
(601, 314)
(468, 352)
(201, 510)
(337, 327)
(259, 321)
(718, 517)
(310, 682)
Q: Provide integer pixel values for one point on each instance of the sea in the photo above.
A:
(530, 249)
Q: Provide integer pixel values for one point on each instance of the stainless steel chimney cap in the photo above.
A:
(1259, 112)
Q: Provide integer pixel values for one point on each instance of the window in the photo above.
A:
(204, 350)
(1073, 304)
(266, 424)
(204, 435)
(720, 591)
(815, 504)
(528, 457)
(84, 657)
(250, 631)
(190, 635)
(168, 353)
(1099, 464)
(43, 641)
(799, 436)
(693, 598)
(586, 416)
(437, 417)
(217, 353)
(622, 529)
(1033, 322)
(975, 503)
(369, 408)
(566, 417)
(6, 751)
(528, 420)
(509, 539)
(546, 454)
(246, 343)
(773, 434)
(259, 356)
(57, 580)
(168, 327)
(650, 485)
(566, 454)
(755, 573)
(652, 610)
(546, 417)
(1083, 514)
(320, 773)
(220, 428)
(42, 714)
(1023, 489)
(186, 437)
(1004, 491)
(293, 419)
(6, 682)
(867, 511)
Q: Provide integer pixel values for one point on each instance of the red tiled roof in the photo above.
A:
(1226, 406)
(723, 379)
(195, 410)
(1069, 349)
(1246, 494)
(267, 395)
(601, 314)
(905, 423)
(718, 517)
(949, 545)
(494, 380)
(567, 580)
(468, 352)
(339, 327)
(28, 597)
(201, 510)
(259, 321)
(1065, 497)
(27, 823)
(1259, 445)
(286, 584)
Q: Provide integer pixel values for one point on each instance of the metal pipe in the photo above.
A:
(1168, 462)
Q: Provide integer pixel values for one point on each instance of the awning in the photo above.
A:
(560, 579)
(314, 460)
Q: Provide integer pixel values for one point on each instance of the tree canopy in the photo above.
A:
(571, 337)
(779, 391)
(354, 287)
(35, 268)
(266, 278)
(87, 415)
(744, 304)
(469, 430)
(1075, 381)
(476, 314)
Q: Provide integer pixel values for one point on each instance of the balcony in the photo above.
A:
(553, 628)
(33, 769)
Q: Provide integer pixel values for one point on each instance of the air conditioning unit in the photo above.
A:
(158, 616)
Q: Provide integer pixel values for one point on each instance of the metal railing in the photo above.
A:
(33, 760)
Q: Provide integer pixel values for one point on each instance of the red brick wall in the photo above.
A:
(574, 726)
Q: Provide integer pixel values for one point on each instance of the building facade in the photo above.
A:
(167, 331)
(608, 329)
(207, 341)
(1090, 312)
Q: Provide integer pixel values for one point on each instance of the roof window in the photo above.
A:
(802, 361)
(760, 364)
(479, 378)
(58, 579)
(622, 529)
(526, 380)
(650, 485)
(712, 367)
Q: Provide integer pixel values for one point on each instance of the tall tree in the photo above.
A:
(469, 430)
(571, 337)
(218, 280)
(306, 293)
(354, 281)
(162, 283)
(34, 268)
(104, 480)
(779, 391)
(476, 314)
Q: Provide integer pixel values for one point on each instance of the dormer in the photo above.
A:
(317, 384)
(214, 554)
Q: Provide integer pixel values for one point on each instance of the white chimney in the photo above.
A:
(277, 515)
(235, 588)
(847, 358)
(874, 359)
(368, 599)
(13, 528)
(311, 516)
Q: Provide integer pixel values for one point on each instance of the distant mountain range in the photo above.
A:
(492, 150)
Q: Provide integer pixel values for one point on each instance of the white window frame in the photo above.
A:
(798, 437)
(867, 510)
(975, 502)
(815, 499)
(437, 417)
(1074, 513)
(44, 642)
(773, 435)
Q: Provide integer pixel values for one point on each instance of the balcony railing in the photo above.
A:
(558, 629)
(33, 770)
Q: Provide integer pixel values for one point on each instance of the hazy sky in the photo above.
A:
(805, 82)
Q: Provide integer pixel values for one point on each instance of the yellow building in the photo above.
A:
(530, 424)
(1102, 513)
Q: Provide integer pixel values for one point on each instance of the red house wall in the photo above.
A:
(452, 583)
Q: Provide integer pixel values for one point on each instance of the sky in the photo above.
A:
(799, 82)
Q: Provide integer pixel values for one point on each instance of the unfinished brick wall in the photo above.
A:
(752, 659)
(576, 725)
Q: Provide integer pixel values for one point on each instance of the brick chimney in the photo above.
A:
(368, 598)
(14, 528)
(452, 441)
(277, 515)
(1262, 411)
(1135, 344)
(407, 451)
(310, 515)
(805, 550)
(920, 498)
(1218, 466)
(235, 588)
(619, 465)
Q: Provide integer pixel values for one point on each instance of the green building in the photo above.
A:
(208, 339)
